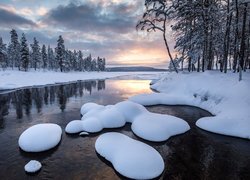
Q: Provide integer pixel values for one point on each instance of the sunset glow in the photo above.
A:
(101, 27)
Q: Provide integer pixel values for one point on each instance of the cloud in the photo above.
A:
(95, 17)
(10, 19)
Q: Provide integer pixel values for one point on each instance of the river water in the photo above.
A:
(196, 154)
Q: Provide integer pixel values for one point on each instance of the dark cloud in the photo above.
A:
(98, 17)
(9, 19)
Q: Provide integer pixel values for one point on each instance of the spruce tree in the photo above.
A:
(24, 53)
(44, 57)
(35, 54)
(60, 53)
(14, 50)
(3, 54)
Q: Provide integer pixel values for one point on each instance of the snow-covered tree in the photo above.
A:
(3, 54)
(93, 65)
(24, 53)
(35, 54)
(44, 57)
(60, 54)
(88, 63)
(80, 61)
(14, 56)
(51, 59)
(101, 64)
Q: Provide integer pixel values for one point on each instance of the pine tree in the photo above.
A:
(60, 53)
(14, 56)
(51, 59)
(35, 54)
(44, 57)
(3, 54)
(80, 61)
(88, 61)
(24, 53)
(93, 65)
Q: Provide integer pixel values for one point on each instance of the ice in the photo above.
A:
(40, 137)
(149, 126)
(221, 94)
(131, 158)
(32, 166)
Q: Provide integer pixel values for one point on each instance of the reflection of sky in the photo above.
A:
(101, 27)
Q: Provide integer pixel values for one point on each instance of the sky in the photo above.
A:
(104, 28)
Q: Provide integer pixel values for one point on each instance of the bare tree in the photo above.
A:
(155, 19)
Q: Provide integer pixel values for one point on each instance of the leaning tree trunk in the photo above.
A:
(166, 44)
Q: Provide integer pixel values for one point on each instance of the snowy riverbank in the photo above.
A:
(221, 94)
(12, 79)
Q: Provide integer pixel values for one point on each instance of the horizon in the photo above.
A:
(101, 28)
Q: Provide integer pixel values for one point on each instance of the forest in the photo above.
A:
(19, 55)
(209, 34)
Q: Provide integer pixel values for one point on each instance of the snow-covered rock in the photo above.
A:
(158, 127)
(131, 158)
(40, 137)
(84, 134)
(32, 166)
(221, 94)
(149, 126)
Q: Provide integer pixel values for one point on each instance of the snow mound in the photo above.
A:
(40, 137)
(32, 166)
(149, 126)
(158, 127)
(221, 94)
(131, 158)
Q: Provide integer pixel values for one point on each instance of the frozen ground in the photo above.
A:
(221, 94)
(11, 79)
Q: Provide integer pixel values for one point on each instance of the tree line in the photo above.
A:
(20, 55)
(209, 34)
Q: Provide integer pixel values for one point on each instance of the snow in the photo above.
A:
(131, 158)
(32, 166)
(12, 79)
(40, 137)
(221, 94)
(158, 127)
(149, 126)
(84, 134)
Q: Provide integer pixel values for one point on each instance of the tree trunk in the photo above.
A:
(242, 44)
(235, 58)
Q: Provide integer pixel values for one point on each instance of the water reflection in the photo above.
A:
(24, 100)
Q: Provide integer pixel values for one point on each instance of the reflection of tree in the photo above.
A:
(17, 101)
(27, 100)
(4, 107)
(38, 94)
(100, 85)
(46, 95)
(52, 96)
(62, 97)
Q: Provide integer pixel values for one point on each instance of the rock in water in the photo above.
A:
(33, 166)
(40, 137)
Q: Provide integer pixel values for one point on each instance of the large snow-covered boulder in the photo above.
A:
(131, 158)
(158, 127)
(40, 137)
(149, 126)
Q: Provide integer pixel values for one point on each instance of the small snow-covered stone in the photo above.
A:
(32, 166)
(84, 134)
(130, 157)
(40, 137)
(74, 126)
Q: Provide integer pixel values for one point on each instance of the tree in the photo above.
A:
(35, 54)
(14, 50)
(24, 53)
(155, 18)
(60, 54)
(44, 57)
(51, 59)
(3, 54)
